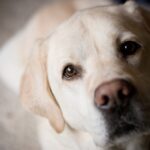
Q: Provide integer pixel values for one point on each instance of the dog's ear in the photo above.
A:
(131, 6)
(139, 12)
(36, 93)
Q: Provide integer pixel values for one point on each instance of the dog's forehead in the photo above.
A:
(89, 28)
(88, 20)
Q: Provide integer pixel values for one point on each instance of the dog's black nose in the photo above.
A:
(113, 94)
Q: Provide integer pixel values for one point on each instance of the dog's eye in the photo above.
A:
(129, 48)
(71, 72)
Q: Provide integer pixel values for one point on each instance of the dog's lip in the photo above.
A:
(136, 128)
(133, 133)
(129, 130)
(125, 125)
(124, 130)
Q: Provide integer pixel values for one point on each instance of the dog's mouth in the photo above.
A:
(119, 102)
(123, 122)
(124, 125)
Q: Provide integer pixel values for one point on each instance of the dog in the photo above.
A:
(89, 76)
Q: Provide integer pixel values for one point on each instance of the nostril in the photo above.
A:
(105, 100)
(123, 93)
(126, 91)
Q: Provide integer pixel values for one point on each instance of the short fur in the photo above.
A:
(88, 38)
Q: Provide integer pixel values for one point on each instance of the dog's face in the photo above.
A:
(98, 71)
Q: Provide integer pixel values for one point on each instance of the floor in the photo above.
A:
(17, 127)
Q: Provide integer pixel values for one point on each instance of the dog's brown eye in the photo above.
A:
(129, 48)
(70, 72)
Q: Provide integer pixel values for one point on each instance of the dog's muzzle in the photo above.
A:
(116, 101)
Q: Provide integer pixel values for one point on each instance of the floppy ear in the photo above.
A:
(131, 6)
(36, 93)
(141, 13)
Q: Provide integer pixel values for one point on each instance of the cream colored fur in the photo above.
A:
(32, 63)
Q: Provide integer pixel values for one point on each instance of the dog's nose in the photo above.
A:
(114, 94)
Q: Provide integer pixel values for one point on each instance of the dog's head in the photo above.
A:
(92, 74)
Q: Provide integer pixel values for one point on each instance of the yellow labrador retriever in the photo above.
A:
(89, 76)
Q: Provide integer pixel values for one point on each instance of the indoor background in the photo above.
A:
(17, 127)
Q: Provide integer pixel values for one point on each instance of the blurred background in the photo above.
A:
(17, 127)
(14, 14)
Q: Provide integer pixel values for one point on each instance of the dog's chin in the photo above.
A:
(128, 138)
(123, 135)
(123, 129)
